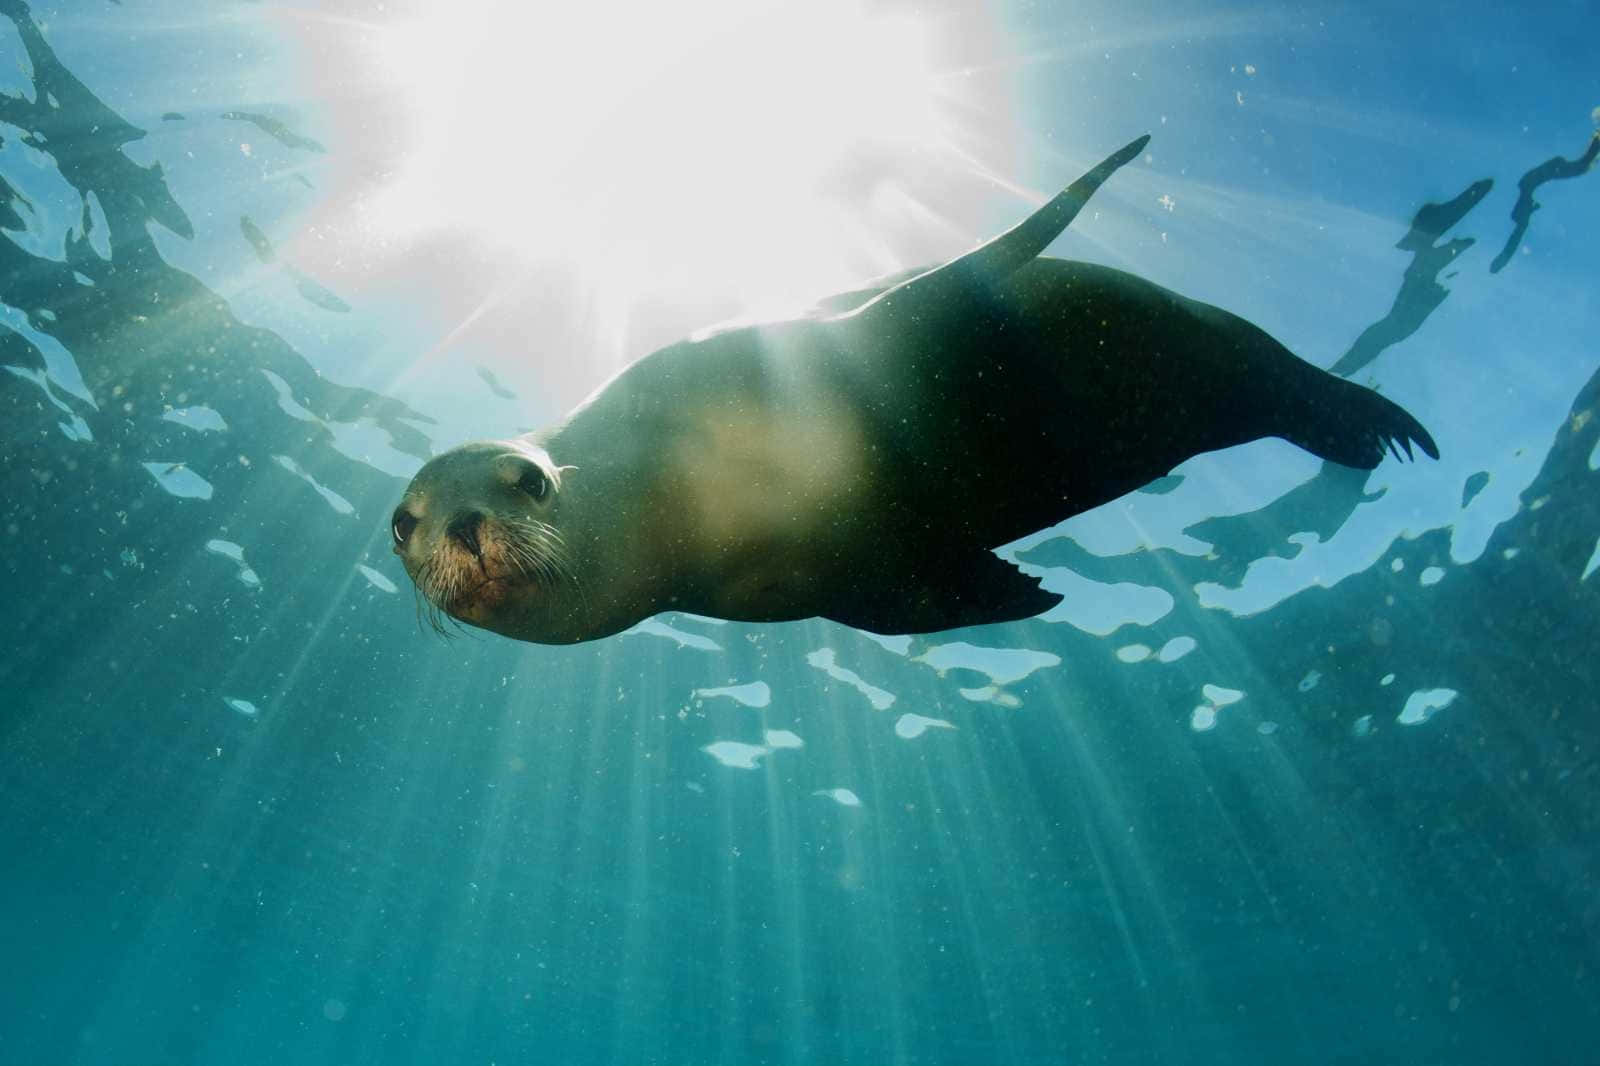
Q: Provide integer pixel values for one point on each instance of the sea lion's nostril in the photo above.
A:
(464, 528)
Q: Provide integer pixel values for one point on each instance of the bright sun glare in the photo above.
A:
(674, 144)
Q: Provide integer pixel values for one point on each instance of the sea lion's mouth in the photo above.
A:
(474, 578)
(489, 593)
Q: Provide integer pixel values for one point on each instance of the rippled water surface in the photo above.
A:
(1303, 769)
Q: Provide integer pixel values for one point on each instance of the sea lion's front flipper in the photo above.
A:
(994, 260)
(975, 589)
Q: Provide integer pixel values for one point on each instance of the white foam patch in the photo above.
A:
(1431, 576)
(825, 660)
(362, 440)
(1423, 704)
(699, 619)
(226, 548)
(1397, 565)
(1310, 681)
(244, 707)
(1003, 665)
(911, 726)
(1362, 727)
(653, 627)
(1176, 648)
(898, 645)
(59, 365)
(990, 694)
(334, 500)
(782, 738)
(842, 796)
(286, 401)
(733, 753)
(199, 419)
(1593, 563)
(1386, 679)
(367, 442)
(1203, 718)
(755, 694)
(179, 480)
(1266, 729)
(75, 429)
(1133, 653)
(375, 579)
(1099, 608)
(1218, 696)
(234, 553)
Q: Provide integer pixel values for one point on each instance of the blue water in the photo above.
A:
(1303, 771)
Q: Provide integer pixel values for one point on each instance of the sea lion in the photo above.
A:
(859, 463)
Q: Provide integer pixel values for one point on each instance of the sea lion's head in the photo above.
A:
(478, 532)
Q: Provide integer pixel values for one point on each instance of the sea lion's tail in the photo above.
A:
(994, 260)
(1354, 426)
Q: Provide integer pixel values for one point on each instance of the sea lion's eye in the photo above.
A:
(405, 523)
(534, 483)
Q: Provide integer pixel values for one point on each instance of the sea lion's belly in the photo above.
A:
(776, 501)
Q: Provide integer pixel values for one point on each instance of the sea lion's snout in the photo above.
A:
(466, 529)
(476, 533)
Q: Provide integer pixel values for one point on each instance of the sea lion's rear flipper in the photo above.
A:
(977, 589)
(1345, 423)
(993, 261)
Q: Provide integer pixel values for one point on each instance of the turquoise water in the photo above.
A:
(1303, 770)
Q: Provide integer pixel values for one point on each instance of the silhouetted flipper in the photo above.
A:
(1354, 426)
(936, 592)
